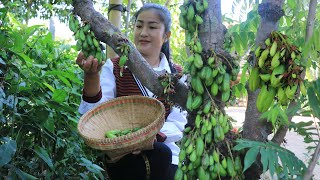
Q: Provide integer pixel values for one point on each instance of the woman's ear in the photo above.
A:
(167, 36)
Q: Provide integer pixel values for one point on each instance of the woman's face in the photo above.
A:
(149, 33)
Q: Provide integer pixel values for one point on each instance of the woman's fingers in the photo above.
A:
(80, 59)
(89, 65)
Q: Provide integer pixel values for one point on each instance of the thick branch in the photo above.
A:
(311, 18)
(107, 33)
(313, 163)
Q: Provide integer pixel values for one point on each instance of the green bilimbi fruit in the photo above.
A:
(179, 174)
(263, 57)
(197, 101)
(254, 79)
(95, 43)
(291, 90)
(265, 98)
(82, 35)
(214, 73)
(225, 95)
(189, 101)
(205, 4)
(207, 108)
(123, 60)
(199, 47)
(190, 13)
(210, 61)
(183, 10)
(282, 97)
(199, 146)
(199, 7)
(257, 51)
(199, 19)
(226, 82)
(303, 88)
(237, 164)
(183, 22)
(214, 89)
(213, 120)
(224, 163)
(265, 77)
(275, 60)
(198, 61)
(267, 42)
(72, 25)
(231, 167)
(273, 48)
(216, 157)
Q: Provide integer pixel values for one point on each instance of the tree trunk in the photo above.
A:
(128, 17)
(52, 28)
(270, 12)
(111, 35)
(115, 19)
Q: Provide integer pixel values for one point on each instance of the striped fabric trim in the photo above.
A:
(141, 87)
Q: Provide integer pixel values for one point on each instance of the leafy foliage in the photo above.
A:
(270, 153)
(39, 97)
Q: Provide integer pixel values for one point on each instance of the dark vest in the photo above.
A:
(126, 85)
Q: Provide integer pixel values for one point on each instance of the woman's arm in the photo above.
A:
(174, 125)
(106, 84)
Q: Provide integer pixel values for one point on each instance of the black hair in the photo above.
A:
(165, 17)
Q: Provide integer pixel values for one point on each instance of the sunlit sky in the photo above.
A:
(62, 30)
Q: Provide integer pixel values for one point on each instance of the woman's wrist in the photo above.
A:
(91, 84)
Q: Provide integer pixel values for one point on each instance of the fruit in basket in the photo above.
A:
(116, 133)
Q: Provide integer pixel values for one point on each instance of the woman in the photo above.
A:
(151, 37)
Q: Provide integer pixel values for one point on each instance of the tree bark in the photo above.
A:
(115, 19)
(211, 32)
(112, 36)
(313, 163)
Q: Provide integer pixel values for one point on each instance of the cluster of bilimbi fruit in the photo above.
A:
(277, 72)
(86, 40)
(200, 157)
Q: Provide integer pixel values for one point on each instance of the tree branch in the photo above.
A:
(109, 34)
(313, 163)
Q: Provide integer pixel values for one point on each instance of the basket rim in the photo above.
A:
(145, 130)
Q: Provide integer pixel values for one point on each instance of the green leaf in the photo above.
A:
(43, 154)
(49, 124)
(49, 86)
(313, 101)
(65, 81)
(264, 159)
(26, 59)
(291, 4)
(41, 66)
(59, 95)
(273, 159)
(250, 157)
(8, 149)
(23, 175)
(2, 62)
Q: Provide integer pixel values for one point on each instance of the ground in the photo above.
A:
(294, 141)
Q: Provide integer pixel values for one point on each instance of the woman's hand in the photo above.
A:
(89, 65)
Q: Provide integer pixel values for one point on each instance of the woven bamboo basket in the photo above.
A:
(122, 113)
